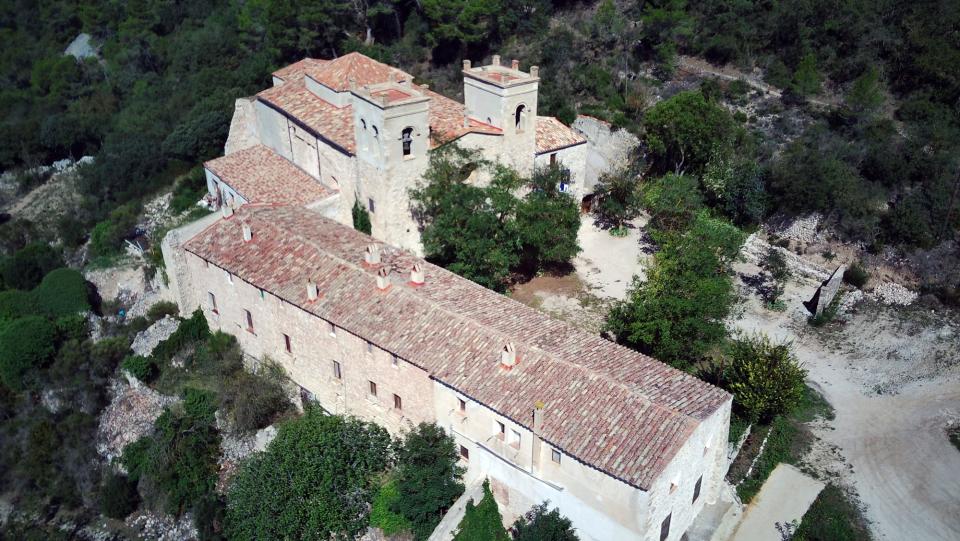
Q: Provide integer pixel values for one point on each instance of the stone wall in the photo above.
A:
(573, 158)
(607, 148)
(243, 127)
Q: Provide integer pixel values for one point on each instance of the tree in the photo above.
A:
(428, 477)
(736, 188)
(678, 313)
(26, 267)
(361, 218)
(25, 344)
(482, 521)
(548, 221)
(866, 94)
(765, 377)
(541, 524)
(775, 263)
(316, 480)
(806, 79)
(617, 198)
(672, 201)
(684, 131)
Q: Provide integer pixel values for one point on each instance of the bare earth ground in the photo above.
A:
(891, 373)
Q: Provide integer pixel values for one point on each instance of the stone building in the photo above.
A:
(361, 130)
(627, 447)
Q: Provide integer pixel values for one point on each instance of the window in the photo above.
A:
(248, 318)
(213, 302)
(336, 370)
(373, 389)
(514, 438)
(397, 402)
(463, 405)
(519, 117)
(332, 329)
(394, 361)
(228, 276)
(555, 455)
(369, 347)
(501, 431)
(407, 139)
(696, 489)
(464, 453)
(286, 343)
(553, 159)
(665, 528)
(262, 295)
(370, 205)
(206, 263)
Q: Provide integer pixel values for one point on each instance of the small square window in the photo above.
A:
(463, 404)
(262, 294)
(212, 299)
(369, 347)
(373, 389)
(370, 205)
(248, 318)
(336, 370)
(555, 455)
(332, 329)
(206, 263)
(501, 430)
(696, 489)
(464, 453)
(665, 528)
(228, 276)
(394, 361)
(514, 438)
(397, 402)
(286, 343)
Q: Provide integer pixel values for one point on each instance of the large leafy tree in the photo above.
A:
(617, 198)
(548, 221)
(684, 131)
(677, 314)
(428, 477)
(764, 376)
(543, 524)
(316, 480)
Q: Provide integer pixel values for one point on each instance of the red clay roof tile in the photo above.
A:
(261, 176)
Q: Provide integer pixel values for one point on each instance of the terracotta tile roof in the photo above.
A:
(446, 120)
(295, 71)
(323, 118)
(261, 176)
(554, 135)
(363, 70)
(609, 407)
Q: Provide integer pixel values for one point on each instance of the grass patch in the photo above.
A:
(833, 517)
(381, 514)
(738, 425)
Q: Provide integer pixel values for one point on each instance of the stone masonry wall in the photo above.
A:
(607, 148)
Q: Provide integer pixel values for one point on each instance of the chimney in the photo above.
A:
(537, 429)
(372, 255)
(227, 211)
(383, 278)
(466, 65)
(311, 291)
(247, 233)
(496, 60)
(534, 71)
(515, 64)
(508, 357)
(416, 275)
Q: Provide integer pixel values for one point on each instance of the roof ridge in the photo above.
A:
(486, 329)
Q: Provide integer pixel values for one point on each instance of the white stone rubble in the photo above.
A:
(158, 527)
(893, 293)
(128, 417)
(145, 341)
(802, 229)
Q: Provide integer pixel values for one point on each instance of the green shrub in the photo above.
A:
(162, 309)
(672, 201)
(361, 218)
(381, 515)
(856, 275)
(62, 292)
(25, 344)
(107, 236)
(27, 266)
(209, 516)
(15, 304)
(118, 496)
(188, 189)
(765, 377)
(142, 368)
(334, 462)
(191, 330)
(778, 449)
(539, 524)
(253, 401)
(482, 521)
(199, 404)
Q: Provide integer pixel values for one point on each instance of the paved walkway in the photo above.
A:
(448, 525)
(785, 496)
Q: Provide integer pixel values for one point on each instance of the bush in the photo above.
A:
(25, 344)
(361, 218)
(253, 401)
(62, 292)
(856, 275)
(27, 266)
(672, 201)
(617, 198)
(118, 496)
(162, 309)
(765, 377)
(334, 462)
(107, 237)
(199, 404)
(15, 304)
(191, 330)
(188, 189)
(142, 368)
(539, 524)
(381, 515)
(428, 477)
(482, 521)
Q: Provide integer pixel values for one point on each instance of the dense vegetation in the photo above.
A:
(482, 520)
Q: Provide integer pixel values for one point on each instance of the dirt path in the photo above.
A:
(900, 461)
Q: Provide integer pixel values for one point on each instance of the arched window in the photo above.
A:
(363, 135)
(519, 117)
(407, 139)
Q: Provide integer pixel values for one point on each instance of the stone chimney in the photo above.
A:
(534, 71)
(537, 428)
(372, 255)
(515, 64)
(311, 291)
(247, 233)
(508, 357)
(417, 277)
(466, 64)
(383, 278)
(496, 60)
